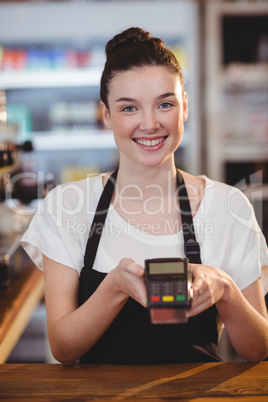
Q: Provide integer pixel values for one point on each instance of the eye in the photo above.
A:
(165, 105)
(129, 109)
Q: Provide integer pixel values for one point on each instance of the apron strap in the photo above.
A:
(99, 221)
(191, 246)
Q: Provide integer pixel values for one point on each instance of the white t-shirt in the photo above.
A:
(225, 227)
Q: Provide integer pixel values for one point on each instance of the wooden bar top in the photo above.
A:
(198, 382)
(17, 304)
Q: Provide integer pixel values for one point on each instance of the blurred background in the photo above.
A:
(51, 131)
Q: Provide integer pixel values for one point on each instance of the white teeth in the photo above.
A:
(149, 143)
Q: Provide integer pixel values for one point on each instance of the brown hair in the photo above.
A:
(135, 48)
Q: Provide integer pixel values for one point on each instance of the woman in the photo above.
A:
(93, 268)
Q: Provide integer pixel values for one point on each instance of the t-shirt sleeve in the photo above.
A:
(235, 242)
(249, 243)
(264, 264)
(256, 257)
(45, 236)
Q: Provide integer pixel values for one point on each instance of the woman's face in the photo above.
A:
(146, 113)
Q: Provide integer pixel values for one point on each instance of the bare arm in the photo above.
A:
(243, 313)
(73, 330)
(250, 335)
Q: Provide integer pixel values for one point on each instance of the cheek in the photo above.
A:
(124, 127)
(172, 121)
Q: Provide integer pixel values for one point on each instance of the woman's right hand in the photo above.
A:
(73, 330)
(127, 279)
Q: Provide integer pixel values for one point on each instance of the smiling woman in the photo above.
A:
(93, 244)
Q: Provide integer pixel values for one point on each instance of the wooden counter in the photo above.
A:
(17, 304)
(199, 382)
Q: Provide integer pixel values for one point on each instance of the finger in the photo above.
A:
(193, 267)
(135, 269)
(138, 287)
(198, 307)
(143, 300)
(197, 288)
(197, 281)
(197, 292)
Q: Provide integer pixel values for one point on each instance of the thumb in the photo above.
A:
(136, 269)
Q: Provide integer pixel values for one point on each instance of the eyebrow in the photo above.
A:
(166, 95)
(125, 100)
(162, 96)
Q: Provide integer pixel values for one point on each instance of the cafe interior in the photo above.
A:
(51, 128)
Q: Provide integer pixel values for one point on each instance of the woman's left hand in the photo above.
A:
(208, 287)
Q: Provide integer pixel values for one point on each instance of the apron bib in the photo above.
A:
(131, 338)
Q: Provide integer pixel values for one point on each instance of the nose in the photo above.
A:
(149, 122)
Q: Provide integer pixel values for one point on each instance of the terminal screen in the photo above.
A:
(166, 268)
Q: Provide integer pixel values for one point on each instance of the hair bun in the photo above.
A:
(128, 37)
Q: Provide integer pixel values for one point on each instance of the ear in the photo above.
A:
(185, 106)
(106, 115)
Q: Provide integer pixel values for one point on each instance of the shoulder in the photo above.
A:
(83, 185)
(218, 191)
(227, 196)
(75, 193)
(230, 207)
(219, 202)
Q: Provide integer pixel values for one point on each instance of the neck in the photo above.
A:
(147, 180)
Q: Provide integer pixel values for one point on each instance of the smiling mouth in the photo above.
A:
(150, 143)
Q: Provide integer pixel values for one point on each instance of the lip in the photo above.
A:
(150, 148)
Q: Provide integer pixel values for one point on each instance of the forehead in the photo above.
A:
(154, 80)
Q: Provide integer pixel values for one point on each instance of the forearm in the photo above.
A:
(75, 333)
(246, 327)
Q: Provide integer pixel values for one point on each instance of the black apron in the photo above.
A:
(131, 338)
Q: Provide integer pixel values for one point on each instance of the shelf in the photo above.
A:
(241, 8)
(244, 76)
(244, 151)
(58, 78)
(47, 78)
(91, 139)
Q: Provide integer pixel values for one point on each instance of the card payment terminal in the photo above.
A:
(169, 289)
